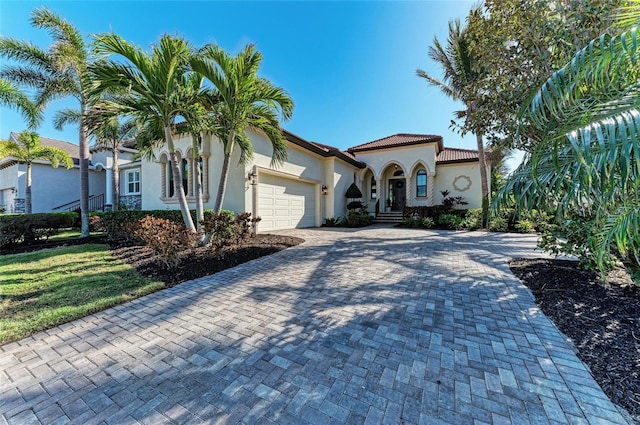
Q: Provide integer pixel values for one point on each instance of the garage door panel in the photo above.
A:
(285, 203)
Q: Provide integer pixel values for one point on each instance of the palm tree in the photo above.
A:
(60, 71)
(12, 97)
(27, 150)
(460, 82)
(150, 90)
(586, 165)
(109, 132)
(244, 101)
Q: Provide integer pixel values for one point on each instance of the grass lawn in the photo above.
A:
(45, 288)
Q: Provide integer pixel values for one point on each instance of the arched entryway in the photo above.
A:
(394, 181)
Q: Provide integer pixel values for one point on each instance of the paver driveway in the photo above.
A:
(380, 325)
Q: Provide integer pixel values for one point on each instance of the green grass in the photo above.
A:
(45, 288)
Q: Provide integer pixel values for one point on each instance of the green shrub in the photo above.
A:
(525, 226)
(498, 224)
(357, 219)
(450, 221)
(332, 221)
(411, 222)
(121, 225)
(356, 205)
(353, 192)
(226, 229)
(427, 223)
(166, 238)
(472, 219)
(30, 228)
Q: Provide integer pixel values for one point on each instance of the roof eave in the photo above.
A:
(457, 161)
(399, 145)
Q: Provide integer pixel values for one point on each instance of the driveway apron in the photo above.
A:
(379, 325)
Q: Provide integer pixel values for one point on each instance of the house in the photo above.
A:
(392, 172)
(52, 189)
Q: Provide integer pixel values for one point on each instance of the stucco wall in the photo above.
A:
(407, 157)
(52, 187)
(8, 181)
(447, 175)
(239, 192)
(343, 177)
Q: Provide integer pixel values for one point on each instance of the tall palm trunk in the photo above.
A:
(177, 182)
(115, 177)
(84, 174)
(27, 200)
(483, 178)
(224, 175)
(195, 151)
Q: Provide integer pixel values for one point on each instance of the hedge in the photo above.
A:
(123, 224)
(30, 228)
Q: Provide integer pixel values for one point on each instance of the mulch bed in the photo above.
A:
(603, 321)
(202, 261)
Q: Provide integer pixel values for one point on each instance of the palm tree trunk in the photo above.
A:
(115, 178)
(84, 175)
(27, 200)
(224, 175)
(483, 178)
(195, 143)
(177, 182)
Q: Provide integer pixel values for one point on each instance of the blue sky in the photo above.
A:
(349, 66)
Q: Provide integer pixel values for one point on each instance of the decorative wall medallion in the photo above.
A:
(462, 183)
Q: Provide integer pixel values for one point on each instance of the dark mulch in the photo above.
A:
(202, 261)
(19, 249)
(197, 263)
(603, 321)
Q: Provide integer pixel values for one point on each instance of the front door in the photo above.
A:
(397, 194)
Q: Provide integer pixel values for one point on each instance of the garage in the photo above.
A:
(285, 203)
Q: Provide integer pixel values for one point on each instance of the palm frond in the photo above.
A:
(66, 116)
(12, 97)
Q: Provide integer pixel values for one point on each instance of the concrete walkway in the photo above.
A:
(380, 325)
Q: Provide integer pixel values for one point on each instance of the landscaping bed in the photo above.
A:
(603, 321)
(202, 261)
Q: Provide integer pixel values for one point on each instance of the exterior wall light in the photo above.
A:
(252, 177)
(325, 191)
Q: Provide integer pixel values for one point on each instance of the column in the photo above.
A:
(430, 187)
(407, 186)
(108, 201)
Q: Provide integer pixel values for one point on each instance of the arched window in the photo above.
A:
(421, 183)
(399, 173)
(374, 189)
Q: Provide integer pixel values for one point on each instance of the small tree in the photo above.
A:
(353, 193)
(28, 149)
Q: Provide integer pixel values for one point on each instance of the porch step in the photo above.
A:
(389, 217)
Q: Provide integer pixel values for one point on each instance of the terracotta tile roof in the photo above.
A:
(69, 148)
(321, 149)
(131, 144)
(450, 155)
(401, 139)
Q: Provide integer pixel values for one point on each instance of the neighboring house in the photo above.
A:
(393, 172)
(52, 189)
(129, 168)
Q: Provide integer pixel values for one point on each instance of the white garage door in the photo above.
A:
(285, 203)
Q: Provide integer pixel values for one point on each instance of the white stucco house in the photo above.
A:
(392, 172)
(52, 189)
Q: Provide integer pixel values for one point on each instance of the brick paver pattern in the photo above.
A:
(379, 325)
